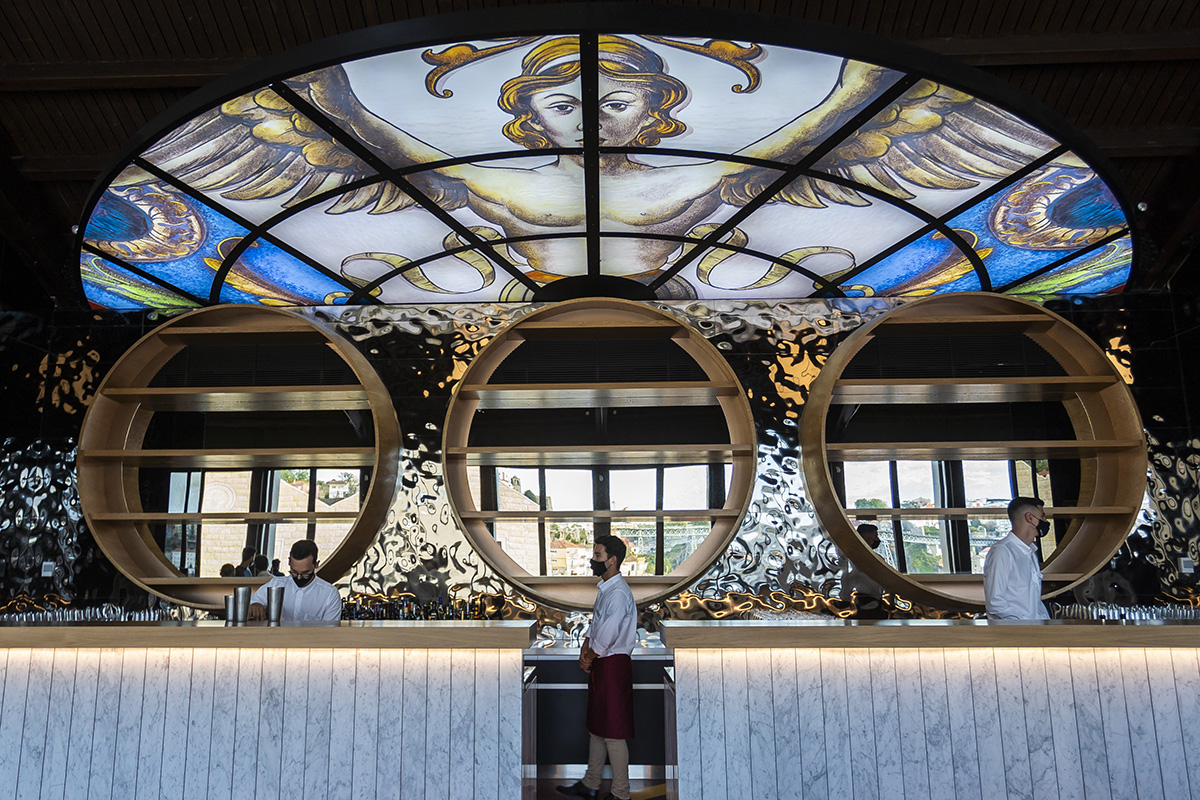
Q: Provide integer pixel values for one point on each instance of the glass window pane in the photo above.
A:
(987, 484)
(569, 490)
(568, 546)
(517, 489)
(222, 543)
(1033, 480)
(868, 484)
(641, 543)
(685, 487)
(519, 538)
(632, 490)
(680, 540)
(924, 546)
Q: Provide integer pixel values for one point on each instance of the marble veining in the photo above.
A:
(270, 722)
(961, 730)
(175, 724)
(1061, 697)
(937, 733)
(1038, 726)
(912, 724)
(58, 724)
(762, 726)
(1114, 714)
(1143, 738)
(886, 714)
(1092, 748)
(864, 767)
(199, 724)
(340, 756)
(129, 721)
(366, 726)
(786, 741)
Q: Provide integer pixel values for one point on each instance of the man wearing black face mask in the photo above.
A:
(606, 657)
(1012, 579)
(306, 598)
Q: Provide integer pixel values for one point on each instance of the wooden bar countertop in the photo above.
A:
(415, 634)
(705, 634)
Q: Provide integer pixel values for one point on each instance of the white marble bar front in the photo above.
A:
(203, 710)
(899, 710)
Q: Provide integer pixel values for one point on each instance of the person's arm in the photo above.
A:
(258, 603)
(998, 574)
(332, 611)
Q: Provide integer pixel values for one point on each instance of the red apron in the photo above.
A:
(610, 697)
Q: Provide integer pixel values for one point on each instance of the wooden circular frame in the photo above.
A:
(1109, 440)
(110, 454)
(589, 318)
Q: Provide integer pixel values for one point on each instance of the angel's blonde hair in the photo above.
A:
(556, 62)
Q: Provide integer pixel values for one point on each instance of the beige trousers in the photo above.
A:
(616, 751)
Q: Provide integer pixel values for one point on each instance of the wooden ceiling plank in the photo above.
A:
(98, 33)
(83, 35)
(176, 18)
(219, 39)
(887, 20)
(51, 45)
(341, 16)
(249, 43)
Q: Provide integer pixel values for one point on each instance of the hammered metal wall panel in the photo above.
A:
(776, 349)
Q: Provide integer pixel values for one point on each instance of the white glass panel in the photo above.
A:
(868, 484)
(685, 487)
(569, 490)
(632, 489)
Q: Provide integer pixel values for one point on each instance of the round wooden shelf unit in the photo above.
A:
(1108, 441)
(581, 322)
(111, 452)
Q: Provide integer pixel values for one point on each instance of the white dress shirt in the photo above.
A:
(317, 602)
(614, 619)
(1012, 581)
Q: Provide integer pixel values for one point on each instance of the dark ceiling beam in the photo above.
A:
(1076, 48)
(75, 76)
(977, 51)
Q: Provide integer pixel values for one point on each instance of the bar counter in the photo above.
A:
(201, 710)
(933, 708)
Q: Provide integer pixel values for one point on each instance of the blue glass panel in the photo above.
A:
(164, 233)
(108, 285)
(1050, 214)
(265, 273)
(931, 265)
(1105, 269)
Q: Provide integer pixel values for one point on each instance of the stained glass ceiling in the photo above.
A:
(600, 161)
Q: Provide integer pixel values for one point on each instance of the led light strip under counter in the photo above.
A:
(935, 708)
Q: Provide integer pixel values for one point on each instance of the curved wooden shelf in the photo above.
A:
(245, 398)
(111, 452)
(165, 518)
(609, 395)
(249, 458)
(600, 455)
(599, 319)
(977, 451)
(984, 512)
(1108, 441)
(671, 516)
(977, 390)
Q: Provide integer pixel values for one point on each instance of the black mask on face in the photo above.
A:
(1043, 527)
(598, 567)
(302, 581)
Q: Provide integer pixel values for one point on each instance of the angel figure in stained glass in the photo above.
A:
(932, 136)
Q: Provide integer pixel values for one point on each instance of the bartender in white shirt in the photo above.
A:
(606, 658)
(306, 598)
(1012, 578)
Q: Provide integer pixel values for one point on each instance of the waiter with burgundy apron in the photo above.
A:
(606, 659)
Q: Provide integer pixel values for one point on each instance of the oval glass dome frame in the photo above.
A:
(602, 318)
(1109, 439)
(115, 425)
(776, 162)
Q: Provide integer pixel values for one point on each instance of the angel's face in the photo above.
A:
(624, 112)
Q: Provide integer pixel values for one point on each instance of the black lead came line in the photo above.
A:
(253, 234)
(379, 165)
(792, 173)
(942, 223)
(589, 80)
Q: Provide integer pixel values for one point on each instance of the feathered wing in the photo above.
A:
(933, 136)
(258, 146)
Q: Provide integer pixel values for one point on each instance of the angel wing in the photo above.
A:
(933, 136)
(258, 146)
